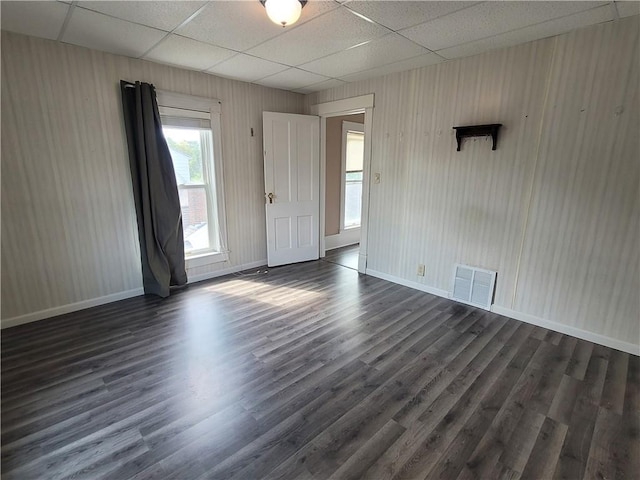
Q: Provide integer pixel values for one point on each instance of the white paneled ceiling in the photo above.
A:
(487, 19)
(247, 68)
(34, 18)
(335, 41)
(102, 32)
(182, 51)
(294, 77)
(399, 15)
(165, 15)
(365, 56)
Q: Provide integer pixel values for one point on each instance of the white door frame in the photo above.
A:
(348, 106)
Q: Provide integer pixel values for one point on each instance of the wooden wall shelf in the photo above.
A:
(478, 131)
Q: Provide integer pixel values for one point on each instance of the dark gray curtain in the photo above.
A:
(155, 191)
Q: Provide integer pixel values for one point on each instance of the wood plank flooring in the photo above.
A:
(345, 256)
(311, 372)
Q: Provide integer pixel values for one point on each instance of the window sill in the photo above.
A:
(205, 259)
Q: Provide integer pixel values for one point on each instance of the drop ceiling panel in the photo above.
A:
(527, 34)
(397, 15)
(40, 19)
(330, 33)
(315, 8)
(318, 87)
(164, 15)
(177, 50)
(101, 32)
(411, 63)
(236, 25)
(387, 49)
(628, 8)
(247, 68)
(487, 19)
(291, 79)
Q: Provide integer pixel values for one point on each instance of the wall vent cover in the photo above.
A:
(473, 286)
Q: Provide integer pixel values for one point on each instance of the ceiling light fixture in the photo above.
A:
(283, 12)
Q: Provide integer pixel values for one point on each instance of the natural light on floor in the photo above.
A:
(266, 293)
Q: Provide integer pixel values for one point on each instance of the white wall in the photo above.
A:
(69, 236)
(554, 209)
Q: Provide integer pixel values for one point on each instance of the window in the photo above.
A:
(352, 164)
(191, 127)
(190, 151)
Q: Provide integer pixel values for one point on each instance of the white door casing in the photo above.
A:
(291, 177)
(349, 106)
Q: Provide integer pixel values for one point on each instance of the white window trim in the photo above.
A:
(347, 127)
(202, 107)
(188, 102)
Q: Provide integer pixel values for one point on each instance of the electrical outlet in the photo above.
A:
(376, 178)
(421, 269)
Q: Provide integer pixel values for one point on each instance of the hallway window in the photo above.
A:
(353, 158)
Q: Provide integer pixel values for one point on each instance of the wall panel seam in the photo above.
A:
(525, 223)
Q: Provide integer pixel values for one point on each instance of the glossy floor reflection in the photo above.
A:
(345, 256)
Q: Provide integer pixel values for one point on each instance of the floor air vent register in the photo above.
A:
(473, 286)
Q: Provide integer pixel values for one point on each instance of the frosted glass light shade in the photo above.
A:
(283, 12)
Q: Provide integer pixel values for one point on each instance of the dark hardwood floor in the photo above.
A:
(313, 372)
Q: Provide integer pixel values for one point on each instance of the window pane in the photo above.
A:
(354, 177)
(355, 151)
(185, 146)
(352, 204)
(195, 220)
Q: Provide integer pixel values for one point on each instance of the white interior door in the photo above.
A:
(292, 187)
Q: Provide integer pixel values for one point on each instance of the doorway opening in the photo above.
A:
(353, 108)
(343, 175)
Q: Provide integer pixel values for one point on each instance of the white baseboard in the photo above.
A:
(523, 317)
(343, 239)
(114, 297)
(568, 330)
(408, 283)
(71, 307)
(226, 271)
